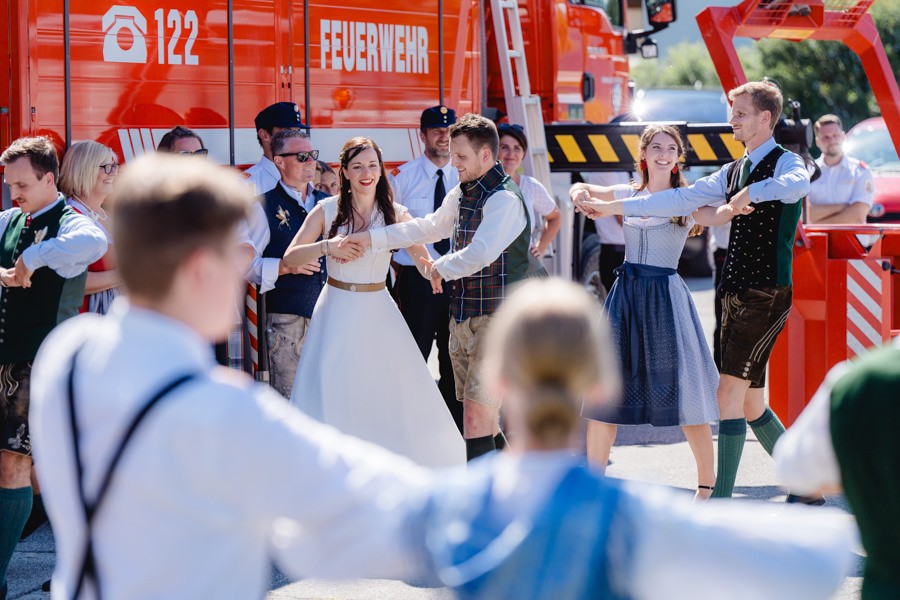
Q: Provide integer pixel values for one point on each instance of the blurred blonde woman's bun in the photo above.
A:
(549, 346)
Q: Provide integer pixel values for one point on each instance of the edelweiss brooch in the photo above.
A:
(283, 217)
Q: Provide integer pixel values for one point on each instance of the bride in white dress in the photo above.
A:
(360, 369)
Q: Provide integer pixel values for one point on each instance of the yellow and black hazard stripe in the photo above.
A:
(614, 146)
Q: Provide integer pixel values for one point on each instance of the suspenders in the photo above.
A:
(88, 569)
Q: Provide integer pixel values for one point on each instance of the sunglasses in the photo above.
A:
(200, 152)
(110, 168)
(303, 156)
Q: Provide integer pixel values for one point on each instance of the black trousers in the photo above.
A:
(428, 318)
(611, 257)
(718, 263)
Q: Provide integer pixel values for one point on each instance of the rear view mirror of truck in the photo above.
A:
(660, 12)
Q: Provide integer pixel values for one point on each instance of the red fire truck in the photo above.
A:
(124, 73)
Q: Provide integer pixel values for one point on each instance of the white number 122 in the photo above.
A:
(174, 22)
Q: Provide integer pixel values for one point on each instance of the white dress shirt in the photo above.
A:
(789, 185)
(805, 461)
(263, 176)
(77, 244)
(609, 229)
(220, 474)
(413, 184)
(503, 221)
(539, 204)
(263, 271)
(847, 182)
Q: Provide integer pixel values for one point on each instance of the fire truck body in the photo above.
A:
(125, 74)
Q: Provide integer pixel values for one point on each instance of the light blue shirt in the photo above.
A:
(789, 185)
(77, 244)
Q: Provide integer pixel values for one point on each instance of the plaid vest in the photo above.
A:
(761, 247)
(481, 293)
(27, 315)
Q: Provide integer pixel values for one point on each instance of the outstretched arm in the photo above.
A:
(418, 252)
(503, 221)
(593, 192)
(710, 216)
(304, 248)
(425, 230)
(78, 243)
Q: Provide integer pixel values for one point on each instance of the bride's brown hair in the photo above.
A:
(384, 195)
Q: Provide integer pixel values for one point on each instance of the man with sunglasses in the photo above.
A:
(45, 249)
(290, 293)
(264, 175)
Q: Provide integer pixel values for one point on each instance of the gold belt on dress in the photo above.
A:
(356, 287)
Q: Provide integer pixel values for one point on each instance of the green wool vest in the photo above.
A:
(27, 315)
(865, 412)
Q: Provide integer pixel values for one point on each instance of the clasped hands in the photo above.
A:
(18, 276)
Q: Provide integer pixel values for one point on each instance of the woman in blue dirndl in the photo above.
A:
(669, 377)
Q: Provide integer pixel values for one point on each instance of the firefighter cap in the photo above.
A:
(437, 116)
(281, 114)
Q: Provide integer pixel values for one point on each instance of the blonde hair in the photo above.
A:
(550, 343)
(765, 97)
(80, 167)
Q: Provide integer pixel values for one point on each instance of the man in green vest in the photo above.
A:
(764, 189)
(45, 249)
(844, 440)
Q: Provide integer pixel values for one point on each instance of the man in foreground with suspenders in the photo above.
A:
(214, 471)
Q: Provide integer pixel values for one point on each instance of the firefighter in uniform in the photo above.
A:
(264, 174)
(842, 194)
(420, 185)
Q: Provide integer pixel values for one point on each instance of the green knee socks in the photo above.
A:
(15, 506)
(732, 434)
(767, 429)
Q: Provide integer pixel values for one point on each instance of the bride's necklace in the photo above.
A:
(93, 214)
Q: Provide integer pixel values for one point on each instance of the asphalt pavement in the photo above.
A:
(641, 453)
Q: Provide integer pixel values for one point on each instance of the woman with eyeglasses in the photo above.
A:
(361, 370)
(542, 210)
(326, 179)
(86, 178)
(181, 140)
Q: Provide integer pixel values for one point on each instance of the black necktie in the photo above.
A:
(443, 246)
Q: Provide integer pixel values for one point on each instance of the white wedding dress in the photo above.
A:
(361, 371)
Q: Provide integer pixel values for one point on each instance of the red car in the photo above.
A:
(870, 142)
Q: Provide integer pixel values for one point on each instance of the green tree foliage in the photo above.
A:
(825, 77)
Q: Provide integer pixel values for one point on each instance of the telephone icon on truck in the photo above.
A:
(125, 28)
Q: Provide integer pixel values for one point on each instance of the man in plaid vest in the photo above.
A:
(485, 218)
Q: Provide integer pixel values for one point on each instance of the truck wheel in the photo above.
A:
(589, 271)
